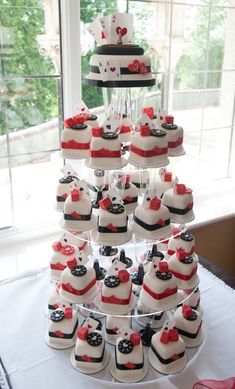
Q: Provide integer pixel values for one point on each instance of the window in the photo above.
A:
(191, 47)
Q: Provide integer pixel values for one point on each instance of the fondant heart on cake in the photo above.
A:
(121, 31)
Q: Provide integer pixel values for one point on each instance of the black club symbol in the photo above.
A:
(94, 339)
(125, 346)
(79, 271)
(57, 315)
(112, 281)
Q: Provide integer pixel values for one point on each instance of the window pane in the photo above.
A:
(6, 219)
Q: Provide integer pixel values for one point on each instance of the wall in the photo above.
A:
(216, 242)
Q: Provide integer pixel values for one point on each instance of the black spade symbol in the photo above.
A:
(108, 126)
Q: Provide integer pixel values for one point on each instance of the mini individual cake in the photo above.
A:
(151, 218)
(173, 242)
(90, 355)
(167, 351)
(184, 241)
(62, 328)
(174, 135)
(105, 150)
(192, 298)
(179, 201)
(148, 148)
(160, 288)
(62, 252)
(78, 282)
(63, 187)
(76, 137)
(165, 181)
(188, 323)
(128, 365)
(140, 178)
(125, 130)
(116, 293)
(128, 193)
(112, 228)
(78, 208)
(184, 268)
(113, 325)
(145, 317)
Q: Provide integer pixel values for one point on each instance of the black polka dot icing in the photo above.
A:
(188, 260)
(79, 126)
(112, 281)
(125, 346)
(109, 135)
(157, 133)
(116, 209)
(163, 276)
(186, 237)
(57, 315)
(79, 271)
(94, 339)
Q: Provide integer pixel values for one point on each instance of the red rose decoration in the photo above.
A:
(155, 203)
(81, 118)
(180, 189)
(174, 335)
(75, 195)
(135, 339)
(68, 122)
(169, 119)
(123, 275)
(167, 176)
(144, 130)
(72, 263)
(105, 203)
(163, 266)
(181, 254)
(57, 246)
(82, 333)
(164, 338)
(187, 311)
(68, 313)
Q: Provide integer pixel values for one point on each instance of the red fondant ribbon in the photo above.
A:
(184, 277)
(149, 153)
(116, 300)
(175, 143)
(105, 153)
(158, 296)
(69, 288)
(72, 144)
(57, 266)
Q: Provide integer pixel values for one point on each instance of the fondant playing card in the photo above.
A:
(111, 125)
(125, 332)
(81, 258)
(91, 324)
(144, 120)
(82, 108)
(103, 71)
(160, 116)
(121, 30)
(115, 267)
(105, 22)
(112, 70)
(96, 31)
(68, 170)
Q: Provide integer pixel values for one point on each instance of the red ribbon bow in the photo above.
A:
(155, 203)
(77, 119)
(138, 67)
(75, 195)
(169, 119)
(167, 176)
(181, 254)
(181, 189)
(123, 275)
(145, 130)
(169, 336)
(68, 313)
(111, 227)
(135, 339)
(82, 333)
(105, 203)
(163, 266)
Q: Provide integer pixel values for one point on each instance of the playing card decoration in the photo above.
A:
(116, 267)
(96, 30)
(68, 171)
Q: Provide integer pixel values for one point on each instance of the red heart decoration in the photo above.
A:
(134, 67)
(112, 69)
(121, 31)
(82, 109)
(143, 69)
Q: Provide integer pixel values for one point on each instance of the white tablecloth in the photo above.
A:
(31, 364)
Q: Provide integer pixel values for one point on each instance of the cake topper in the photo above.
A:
(79, 189)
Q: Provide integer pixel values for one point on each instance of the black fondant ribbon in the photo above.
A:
(80, 358)
(168, 360)
(134, 200)
(95, 69)
(189, 334)
(178, 211)
(122, 366)
(121, 83)
(150, 227)
(65, 336)
(60, 199)
(117, 229)
(81, 217)
(152, 317)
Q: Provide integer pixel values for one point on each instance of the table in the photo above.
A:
(31, 364)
